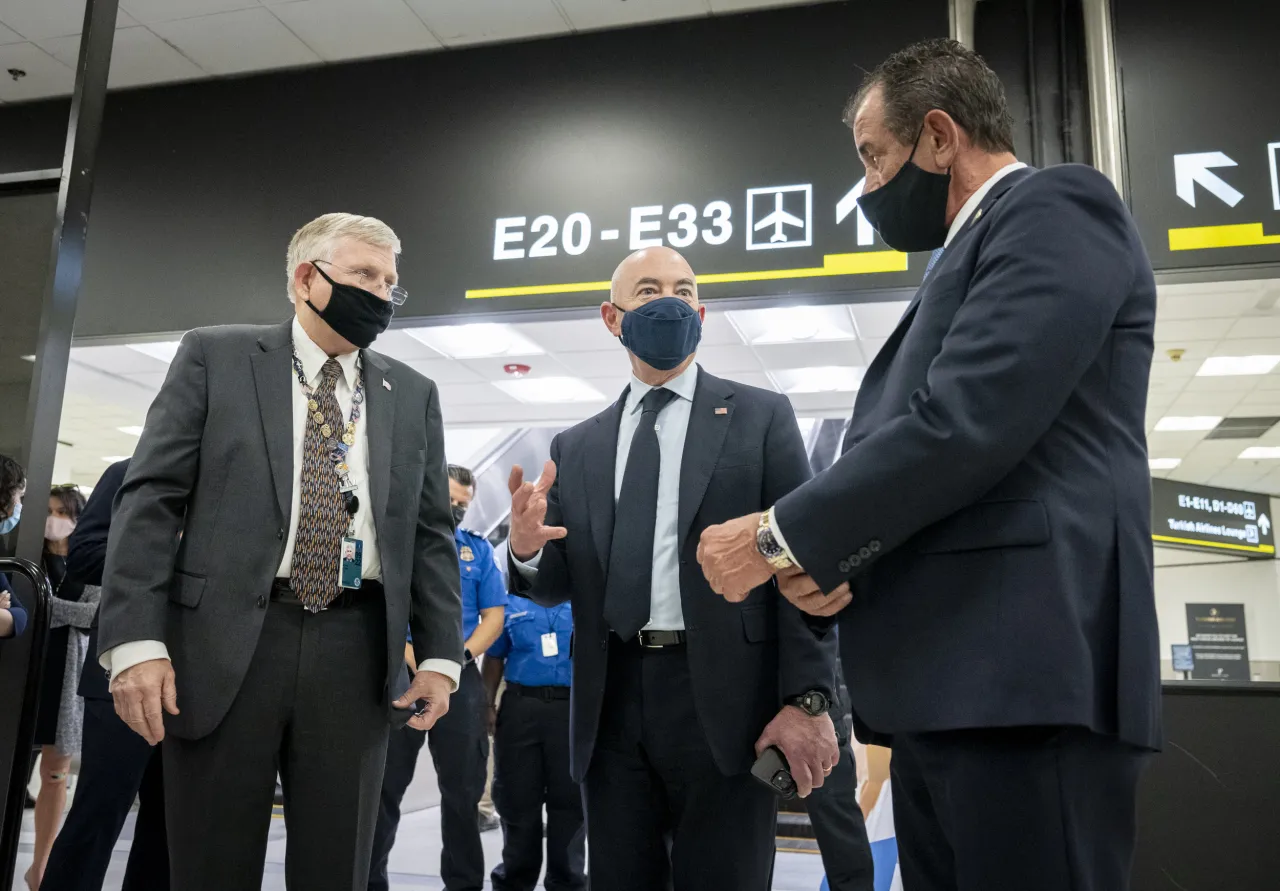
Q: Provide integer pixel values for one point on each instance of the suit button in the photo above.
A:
(855, 561)
(604, 643)
(845, 567)
(279, 534)
(874, 545)
(865, 553)
(262, 602)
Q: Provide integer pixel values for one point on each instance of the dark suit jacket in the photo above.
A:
(216, 460)
(993, 504)
(86, 554)
(744, 657)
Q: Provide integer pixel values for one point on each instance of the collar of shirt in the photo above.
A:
(313, 358)
(967, 209)
(683, 386)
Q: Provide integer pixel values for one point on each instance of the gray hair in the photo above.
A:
(317, 239)
(945, 75)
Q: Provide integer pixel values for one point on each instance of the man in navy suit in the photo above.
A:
(674, 689)
(985, 538)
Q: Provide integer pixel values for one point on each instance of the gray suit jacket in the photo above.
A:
(216, 461)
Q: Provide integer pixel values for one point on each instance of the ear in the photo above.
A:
(612, 318)
(942, 137)
(303, 275)
(702, 312)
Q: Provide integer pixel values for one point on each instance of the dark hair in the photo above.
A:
(462, 476)
(71, 499)
(945, 75)
(12, 479)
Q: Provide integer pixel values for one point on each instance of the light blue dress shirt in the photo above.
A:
(665, 612)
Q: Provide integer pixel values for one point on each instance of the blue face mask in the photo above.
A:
(662, 333)
(10, 523)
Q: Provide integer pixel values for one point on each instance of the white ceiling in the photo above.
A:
(164, 41)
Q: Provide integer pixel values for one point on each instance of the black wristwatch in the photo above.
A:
(813, 703)
(469, 657)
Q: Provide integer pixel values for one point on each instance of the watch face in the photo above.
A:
(767, 545)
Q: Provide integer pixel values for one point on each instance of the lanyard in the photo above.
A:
(338, 446)
(553, 616)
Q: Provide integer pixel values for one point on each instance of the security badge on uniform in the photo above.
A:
(465, 554)
(351, 557)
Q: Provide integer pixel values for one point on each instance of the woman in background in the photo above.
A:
(13, 485)
(61, 715)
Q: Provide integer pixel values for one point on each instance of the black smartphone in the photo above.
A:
(771, 768)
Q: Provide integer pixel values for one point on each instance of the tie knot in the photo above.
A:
(656, 400)
(331, 371)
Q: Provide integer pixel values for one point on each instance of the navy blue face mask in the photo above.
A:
(662, 333)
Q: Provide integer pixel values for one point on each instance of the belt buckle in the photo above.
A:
(644, 641)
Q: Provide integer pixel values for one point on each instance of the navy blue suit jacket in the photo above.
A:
(86, 554)
(992, 507)
(742, 452)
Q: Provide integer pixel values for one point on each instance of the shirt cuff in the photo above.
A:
(447, 667)
(780, 539)
(125, 656)
(528, 570)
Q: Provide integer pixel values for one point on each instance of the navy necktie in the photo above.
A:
(628, 589)
(933, 261)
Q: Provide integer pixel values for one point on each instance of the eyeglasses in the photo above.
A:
(371, 282)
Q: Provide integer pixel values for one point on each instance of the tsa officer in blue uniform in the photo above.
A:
(459, 741)
(531, 750)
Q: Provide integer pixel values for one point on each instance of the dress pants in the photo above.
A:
(660, 814)
(840, 829)
(314, 707)
(116, 766)
(532, 769)
(459, 746)
(1043, 808)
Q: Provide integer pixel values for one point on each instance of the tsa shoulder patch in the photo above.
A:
(465, 554)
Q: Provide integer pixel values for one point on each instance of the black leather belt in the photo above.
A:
(656, 640)
(546, 694)
(282, 594)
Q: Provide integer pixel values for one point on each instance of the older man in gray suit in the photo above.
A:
(307, 474)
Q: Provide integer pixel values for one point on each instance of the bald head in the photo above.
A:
(652, 273)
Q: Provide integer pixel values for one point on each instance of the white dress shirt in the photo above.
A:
(313, 359)
(666, 612)
(962, 217)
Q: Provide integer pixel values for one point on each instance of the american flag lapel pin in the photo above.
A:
(386, 384)
(722, 411)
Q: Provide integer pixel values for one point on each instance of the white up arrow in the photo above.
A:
(1265, 524)
(847, 205)
(1191, 169)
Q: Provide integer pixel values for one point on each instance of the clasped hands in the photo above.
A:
(735, 567)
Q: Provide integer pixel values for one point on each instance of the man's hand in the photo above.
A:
(491, 719)
(435, 688)
(529, 532)
(808, 743)
(806, 596)
(142, 694)
(5, 600)
(730, 559)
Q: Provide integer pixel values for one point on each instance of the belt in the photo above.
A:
(546, 694)
(657, 640)
(282, 594)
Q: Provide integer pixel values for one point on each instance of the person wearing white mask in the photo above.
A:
(61, 713)
(13, 485)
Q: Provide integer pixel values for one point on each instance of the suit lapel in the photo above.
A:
(272, 377)
(380, 402)
(599, 460)
(708, 426)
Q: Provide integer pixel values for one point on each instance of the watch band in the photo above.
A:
(813, 703)
(767, 544)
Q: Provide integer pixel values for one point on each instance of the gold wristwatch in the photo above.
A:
(768, 545)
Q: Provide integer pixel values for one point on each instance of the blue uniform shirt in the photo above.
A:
(482, 584)
(521, 644)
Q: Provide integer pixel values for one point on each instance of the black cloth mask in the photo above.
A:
(459, 511)
(910, 210)
(356, 315)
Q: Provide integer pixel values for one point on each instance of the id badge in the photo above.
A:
(550, 645)
(352, 562)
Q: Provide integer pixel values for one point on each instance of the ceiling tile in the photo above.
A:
(731, 6)
(1253, 327)
(1198, 404)
(588, 14)
(399, 345)
(462, 22)
(1204, 306)
(45, 75)
(7, 36)
(1174, 331)
(755, 379)
(153, 380)
(594, 364)
(474, 394)
(570, 335)
(445, 372)
(1238, 384)
(138, 57)
(877, 320)
(42, 19)
(149, 11)
(718, 331)
(494, 368)
(1250, 346)
(235, 42)
(807, 355)
(342, 29)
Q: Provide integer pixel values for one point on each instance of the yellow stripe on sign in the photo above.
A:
(864, 263)
(1200, 237)
(1252, 549)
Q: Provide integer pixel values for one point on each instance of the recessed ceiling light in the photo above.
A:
(550, 390)
(132, 431)
(1258, 453)
(1179, 424)
(1221, 366)
(1164, 463)
(28, 358)
(793, 324)
(482, 340)
(112, 459)
(163, 350)
(819, 379)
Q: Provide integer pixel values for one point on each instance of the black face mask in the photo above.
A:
(910, 210)
(459, 511)
(354, 314)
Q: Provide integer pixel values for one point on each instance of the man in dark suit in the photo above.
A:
(986, 536)
(116, 764)
(674, 690)
(307, 473)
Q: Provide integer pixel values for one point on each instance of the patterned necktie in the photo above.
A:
(933, 261)
(322, 513)
(628, 589)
